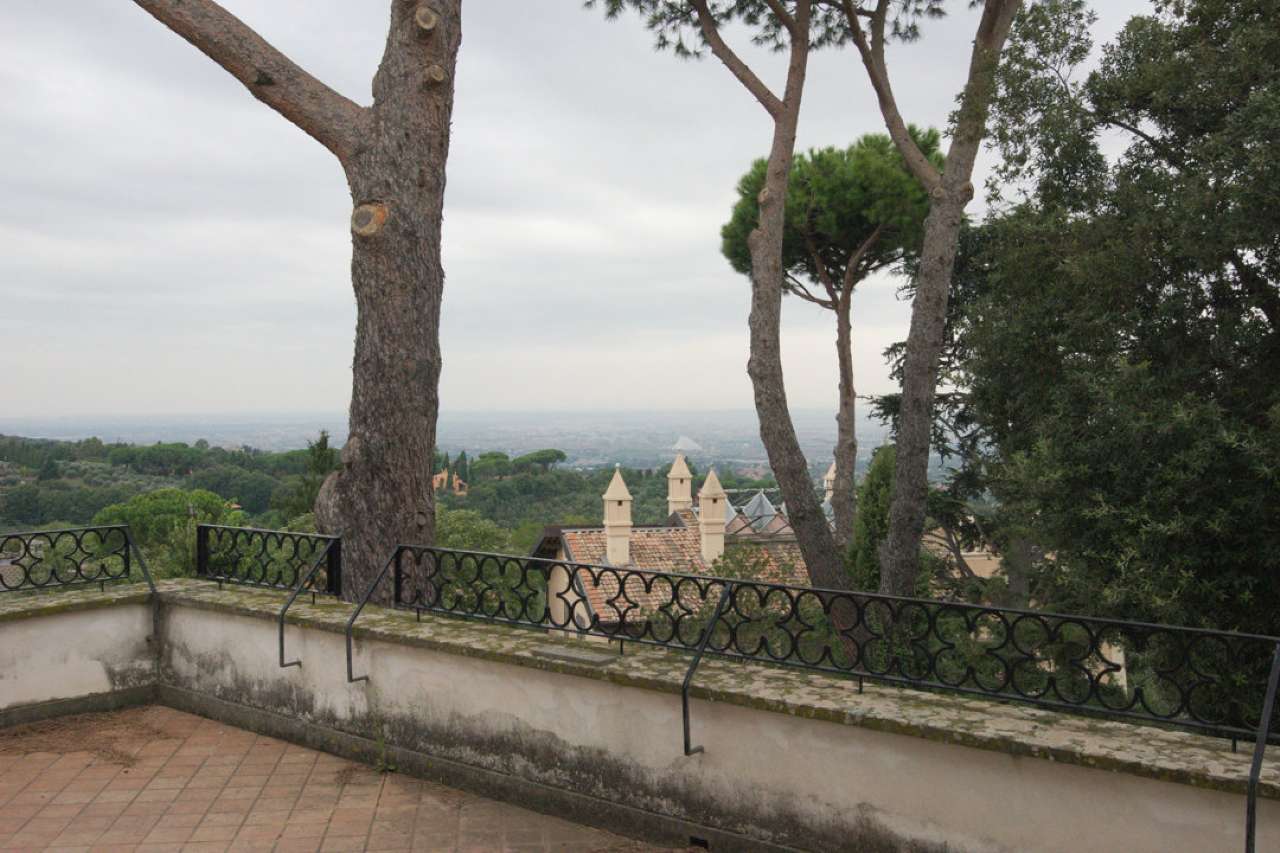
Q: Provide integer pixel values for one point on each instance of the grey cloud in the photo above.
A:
(169, 244)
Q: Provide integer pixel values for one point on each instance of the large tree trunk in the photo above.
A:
(765, 244)
(949, 193)
(765, 363)
(382, 495)
(900, 553)
(394, 155)
(843, 490)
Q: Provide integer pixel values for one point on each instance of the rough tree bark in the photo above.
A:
(844, 504)
(949, 193)
(393, 154)
(767, 277)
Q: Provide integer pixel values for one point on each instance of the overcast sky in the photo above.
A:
(170, 245)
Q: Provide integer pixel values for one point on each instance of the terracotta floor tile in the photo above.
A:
(215, 833)
(169, 819)
(222, 819)
(205, 847)
(205, 786)
(76, 838)
(193, 807)
(169, 835)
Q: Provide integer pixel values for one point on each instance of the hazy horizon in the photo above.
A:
(590, 437)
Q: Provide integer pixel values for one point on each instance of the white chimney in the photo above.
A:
(617, 520)
(829, 481)
(713, 505)
(679, 486)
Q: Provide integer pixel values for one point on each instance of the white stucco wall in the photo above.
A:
(66, 655)
(760, 769)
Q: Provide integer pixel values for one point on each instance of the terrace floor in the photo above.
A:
(156, 779)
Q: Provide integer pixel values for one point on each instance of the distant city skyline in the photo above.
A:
(171, 245)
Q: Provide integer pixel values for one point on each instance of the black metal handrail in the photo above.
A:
(52, 559)
(689, 748)
(330, 556)
(1190, 678)
(1259, 748)
(275, 559)
(355, 614)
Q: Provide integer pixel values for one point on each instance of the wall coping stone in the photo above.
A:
(1017, 730)
(35, 603)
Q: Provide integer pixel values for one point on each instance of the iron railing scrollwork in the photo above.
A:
(276, 559)
(53, 559)
(1207, 681)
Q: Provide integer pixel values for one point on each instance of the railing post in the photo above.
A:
(1259, 748)
(689, 749)
(202, 551)
(397, 580)
(132, 548)
(333, 572)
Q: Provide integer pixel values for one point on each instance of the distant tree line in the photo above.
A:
(72, 481)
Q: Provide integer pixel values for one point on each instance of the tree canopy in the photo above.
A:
(857, 204)
(1123, 339)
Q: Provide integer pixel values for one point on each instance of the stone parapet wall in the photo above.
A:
(78, 646)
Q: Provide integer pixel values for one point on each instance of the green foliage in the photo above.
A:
(748, 561)
(675, 24)
(31, 505)
(838, 200)
(321, 461)
(468, 530)
(251, 489)
(871, 525)
(490, 466)
(543, 459)
(48, 470)
(1124, 342)
(163, 525)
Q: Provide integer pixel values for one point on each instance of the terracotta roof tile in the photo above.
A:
(657, 549)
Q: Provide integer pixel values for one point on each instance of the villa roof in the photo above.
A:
(759, 511)
(659, 549)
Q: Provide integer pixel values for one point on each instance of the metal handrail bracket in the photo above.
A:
(321, 560)
(142, 562)
(689, 749)
(1259, 749)
(351, 622)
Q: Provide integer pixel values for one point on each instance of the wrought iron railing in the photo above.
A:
(1208, 681)
(53, 559)
(278, 559)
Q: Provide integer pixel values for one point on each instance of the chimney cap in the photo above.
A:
(679, 469)
(617, 490)
(712, 488)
